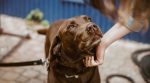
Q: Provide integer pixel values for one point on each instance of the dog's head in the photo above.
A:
(79, 34)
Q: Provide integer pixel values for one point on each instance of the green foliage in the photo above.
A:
(45, 23)
(37, 16)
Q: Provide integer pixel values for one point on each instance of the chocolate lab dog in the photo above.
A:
(67, 43)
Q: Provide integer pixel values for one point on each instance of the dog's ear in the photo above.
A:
(54, 40)
(56, 46)
(42, 31)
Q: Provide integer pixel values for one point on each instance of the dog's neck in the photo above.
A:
(73, 54)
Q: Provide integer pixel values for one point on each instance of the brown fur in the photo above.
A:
(67, 43)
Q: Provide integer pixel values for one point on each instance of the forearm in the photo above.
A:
(115, 33)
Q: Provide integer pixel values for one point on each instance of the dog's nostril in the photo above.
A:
(94, 26)
(91, 28)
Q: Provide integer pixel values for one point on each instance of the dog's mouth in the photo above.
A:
(91, 39)
(95, 40)
(92, 33)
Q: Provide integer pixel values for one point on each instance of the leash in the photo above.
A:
(143, 63)
(120, 76)
(26, 63)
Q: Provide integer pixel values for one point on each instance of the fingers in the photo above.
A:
(89, 61)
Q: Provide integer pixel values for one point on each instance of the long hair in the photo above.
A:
(122, 10)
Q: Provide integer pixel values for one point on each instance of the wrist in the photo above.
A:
(104, 43)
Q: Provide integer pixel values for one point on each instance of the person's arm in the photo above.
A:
(115, 33)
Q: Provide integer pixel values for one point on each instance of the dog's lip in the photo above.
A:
(86, 39)
(94, 38)
(96, 42)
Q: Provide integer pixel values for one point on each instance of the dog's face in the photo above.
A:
(68, 42)
(79, 34)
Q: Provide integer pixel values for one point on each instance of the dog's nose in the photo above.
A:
(91, 28)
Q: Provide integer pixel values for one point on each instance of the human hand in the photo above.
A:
(90, 61)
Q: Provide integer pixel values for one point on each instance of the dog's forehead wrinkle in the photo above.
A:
(79, 19)
(71, 20)
(62, 25)
(84, 16)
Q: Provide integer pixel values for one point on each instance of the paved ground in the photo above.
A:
(118, 61)
(18, 48)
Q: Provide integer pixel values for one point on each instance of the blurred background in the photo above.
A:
(19, 20)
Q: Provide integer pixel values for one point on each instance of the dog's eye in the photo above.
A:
(89, 19)
(71, 26)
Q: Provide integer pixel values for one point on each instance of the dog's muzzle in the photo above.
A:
(91, 27)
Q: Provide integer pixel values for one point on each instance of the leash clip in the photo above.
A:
(45, 63)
